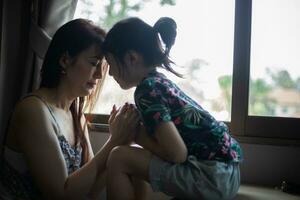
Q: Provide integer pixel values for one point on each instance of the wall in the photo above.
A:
(270, 165)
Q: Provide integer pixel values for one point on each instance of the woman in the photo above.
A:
(48, 154)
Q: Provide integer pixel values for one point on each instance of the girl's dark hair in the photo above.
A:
(134, 34)
(72, 38)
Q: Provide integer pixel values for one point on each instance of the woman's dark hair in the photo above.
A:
(134, 34)
(72, 38)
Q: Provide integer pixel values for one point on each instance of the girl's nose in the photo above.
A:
(109, 71)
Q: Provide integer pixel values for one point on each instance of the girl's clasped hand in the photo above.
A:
(123, 123)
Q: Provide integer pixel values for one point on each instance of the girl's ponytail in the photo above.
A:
(166, 27)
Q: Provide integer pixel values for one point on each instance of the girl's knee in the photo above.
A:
(117, 156)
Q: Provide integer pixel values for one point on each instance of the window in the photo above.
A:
(203, 50)
(239, 58)
(246, 76)
(274, 63)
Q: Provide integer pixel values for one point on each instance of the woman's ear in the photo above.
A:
(65, 61)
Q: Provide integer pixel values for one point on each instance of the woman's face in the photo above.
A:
(84, 71)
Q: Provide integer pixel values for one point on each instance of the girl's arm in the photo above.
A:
(166, 142)
(38, 141)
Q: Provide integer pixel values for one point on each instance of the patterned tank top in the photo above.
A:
(15, 185)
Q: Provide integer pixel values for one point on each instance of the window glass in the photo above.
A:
(275, 63)
(203, 50)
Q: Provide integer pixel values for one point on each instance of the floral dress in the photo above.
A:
(20, 186)
(158, 99)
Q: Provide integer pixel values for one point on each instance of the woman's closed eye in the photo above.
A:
(94, 62)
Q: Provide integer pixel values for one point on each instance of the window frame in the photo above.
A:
(247, 128)
(243, 124)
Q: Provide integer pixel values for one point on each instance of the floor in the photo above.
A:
(246, 192)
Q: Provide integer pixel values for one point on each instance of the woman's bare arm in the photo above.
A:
(38, 141)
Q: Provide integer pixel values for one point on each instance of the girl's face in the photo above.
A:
(116, 70)
(84, 71)
(127, 73)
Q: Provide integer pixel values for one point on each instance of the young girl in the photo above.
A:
(187, 152)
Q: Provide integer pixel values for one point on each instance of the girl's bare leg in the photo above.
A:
(141, 188)
(98, 186)
(123, 163)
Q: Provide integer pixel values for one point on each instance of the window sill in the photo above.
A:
(267, 141)
(104, 128)
(99, 127)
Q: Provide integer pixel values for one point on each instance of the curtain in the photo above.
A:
(26, 30)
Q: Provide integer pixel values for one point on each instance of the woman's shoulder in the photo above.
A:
(30, 119)
(31, 107)
(29, 103)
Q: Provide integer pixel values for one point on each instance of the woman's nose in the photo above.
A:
(98, 72)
